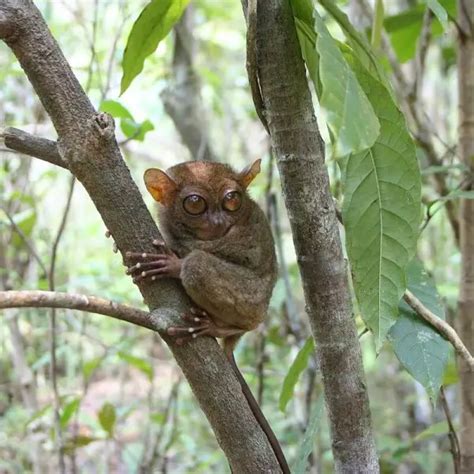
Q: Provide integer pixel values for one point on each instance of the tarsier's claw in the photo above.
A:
(107, 233)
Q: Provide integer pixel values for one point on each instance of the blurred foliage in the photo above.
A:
(122, 404)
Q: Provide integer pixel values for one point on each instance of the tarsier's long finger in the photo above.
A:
(178, 331)
(153, 274)
(145, 266)
(191, 318)
(145, 255)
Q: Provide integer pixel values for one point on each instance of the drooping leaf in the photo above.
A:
(304, 21)
(107, 418)
(299, 364)
(437, 429)
(306, 447)
(153, 24)
(69, 410)
(381, 211)
(419, 347)
(439, 11)
(349, 113)
(137, 362)
(377, 25)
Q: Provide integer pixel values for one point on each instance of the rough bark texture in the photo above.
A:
(300, 155)
(182, 97)
(88, 147)
(466, 296)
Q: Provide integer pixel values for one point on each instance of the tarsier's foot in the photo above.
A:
(200, 324)
(163, 264)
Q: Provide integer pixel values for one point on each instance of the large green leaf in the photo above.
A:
(349, 114)
(153, 24)
(139, 363)
(418, 346)
(299, 364)
(381, 211)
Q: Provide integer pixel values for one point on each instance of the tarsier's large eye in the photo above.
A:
(232, 201)
(194, 204)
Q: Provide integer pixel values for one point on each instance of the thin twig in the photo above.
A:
(26, 240)
(442, 326)
(53, 331)
(453, 437)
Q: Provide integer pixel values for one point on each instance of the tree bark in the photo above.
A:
(88, 147)
(466, 295)
(299, 151)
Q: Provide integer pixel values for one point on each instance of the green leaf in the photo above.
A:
(440, 428)
(78, 442)
(377, 26)
(134, 130)
(306, 447)
(296, 368)
(116, 109)
(439, 11)
(90, 366)
(457, 194)
(107, 418)
(304, 21)
(349, 114)
(38, 414)
(153, 24)
(450, 376)
(69, 410)
(139, 363)
(419, 347)
(381, 212)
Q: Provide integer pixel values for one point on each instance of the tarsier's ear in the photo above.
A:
(247, 175)
(160, 186)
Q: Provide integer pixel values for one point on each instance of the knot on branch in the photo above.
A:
(103, 124)
(8, 30)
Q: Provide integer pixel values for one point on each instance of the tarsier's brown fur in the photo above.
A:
(225, 259)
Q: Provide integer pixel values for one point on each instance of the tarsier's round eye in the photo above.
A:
(232, 201)
(194, 204)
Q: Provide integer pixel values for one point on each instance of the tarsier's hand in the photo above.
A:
(165, 264)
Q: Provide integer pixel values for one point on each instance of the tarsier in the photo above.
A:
(218, 243)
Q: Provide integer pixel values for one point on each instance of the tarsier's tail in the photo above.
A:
(260, 417)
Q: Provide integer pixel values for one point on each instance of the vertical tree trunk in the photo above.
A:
(466, 296)
(288, 109)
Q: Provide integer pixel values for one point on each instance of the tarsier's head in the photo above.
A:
(202, 198)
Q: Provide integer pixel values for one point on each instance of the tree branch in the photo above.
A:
(91, 304)
(31, 145)
(89, 149)
(442, 326)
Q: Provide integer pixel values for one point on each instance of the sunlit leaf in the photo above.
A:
(377, 26)
(348, 111)
(90, 366)
(381, 212)
(116, 109)
(419, 347)
(134, 130)
(78, 442)
(299, 364)
(107, 418)
(153, 24)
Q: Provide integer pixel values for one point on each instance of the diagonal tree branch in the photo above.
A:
(88, 147)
